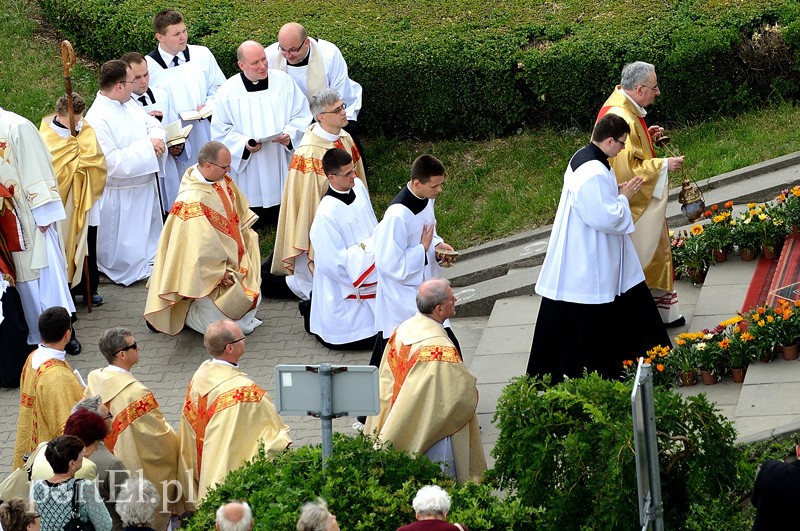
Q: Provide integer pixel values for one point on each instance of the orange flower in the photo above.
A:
(729, 204)
(747, 336)
(680, 342)
(725, 343)
(708, 213)
(660, 368)
(761, 310)
(627, 363)
(714, 208)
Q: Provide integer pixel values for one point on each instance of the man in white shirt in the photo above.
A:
(260, 115)
(190, 75)
(132, 141)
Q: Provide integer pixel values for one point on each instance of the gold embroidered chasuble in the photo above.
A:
(427, 394)
(207, 234)
(139, 436)
(651, 238)
(80, 169)
(47, 395)
(225, 417)
(305, 185)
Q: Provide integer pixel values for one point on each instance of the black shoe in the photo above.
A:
(73, 348)
(151, 327)
(680, 321)
(97, 300)
(362, 420)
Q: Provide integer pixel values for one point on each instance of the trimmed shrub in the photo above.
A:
(570, 449)
(366, 488)
(476, 69)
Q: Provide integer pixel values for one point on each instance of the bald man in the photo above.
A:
(234, 516)
(260, 115)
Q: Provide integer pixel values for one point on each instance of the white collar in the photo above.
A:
(408, 185)
(223, 362)
(44, 354)
(167, 57)
(639, 108)
(323, 134)
(114, 368)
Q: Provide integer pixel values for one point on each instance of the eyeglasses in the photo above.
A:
(292, 50)
(109, 416)
(620, 142)
(237, 340)
(226, 168)
(337, 110)
(129, 347)
(131, 82)
(654, 88)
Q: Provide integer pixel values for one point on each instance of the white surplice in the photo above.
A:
(339, 314)
(402, 262)
(130, 215)
(335, 73)
(241, 115)
(169, 177)
(25, 168)
(191, 84)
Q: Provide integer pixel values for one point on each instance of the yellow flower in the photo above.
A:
(747, 336)
(697, 230)
(751, 205)
(680, 342)
(760, 322)
(770, 318)
(796, 191)
(732, 222)
(733, 320)
(762, 217)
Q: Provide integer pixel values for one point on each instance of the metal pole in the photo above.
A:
(656, 508)
(326, 414)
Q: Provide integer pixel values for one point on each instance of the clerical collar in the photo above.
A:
(199, 176)
(62, 126)
(44, 354)
(323, 134)
(586, 154)
(345, 197)
(114, 368)
(407, 198)
(304, 62)
(639, 108)
(223, 362)
(254, 86)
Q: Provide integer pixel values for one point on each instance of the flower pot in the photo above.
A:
(720, 255)
(767, 356)
(770, 252)
(697, 276)
(747, 255)
(709, 378)
(738, 375)
(790, 352)
(688, 379)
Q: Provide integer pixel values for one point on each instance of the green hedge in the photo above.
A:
(367, 489)
(472, 68)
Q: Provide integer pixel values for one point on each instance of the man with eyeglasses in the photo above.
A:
(591, 282)
(260, 115)
(129, 215)
(306, 183)
(208, 265)
(139, 434)
(342, 313)
(314, 64)
(226, 416)
(636, 91)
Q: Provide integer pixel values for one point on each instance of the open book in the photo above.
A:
(177, 134)
(205, 112)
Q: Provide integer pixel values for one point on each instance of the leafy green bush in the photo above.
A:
(367, 489)
(475, 69)
(570, 448)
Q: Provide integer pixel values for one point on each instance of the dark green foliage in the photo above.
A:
(569, 448)
(470, 68)
(367, 489)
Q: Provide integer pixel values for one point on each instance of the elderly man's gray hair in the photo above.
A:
(90, 403)
(431, 294)
(244, 524)
(431, 500)
(321, 99)
(112, 341)
(137, 502)
(635, 74)
(313, 515)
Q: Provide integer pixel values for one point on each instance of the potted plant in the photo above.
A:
(765, 329)
(739, 350)
(746, 235)
(772, 229)
(682, 361)
(790, 200)
(719, 233)
(788, 326)
(694, 255)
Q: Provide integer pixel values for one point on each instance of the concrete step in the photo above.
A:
(479, 298)
(478, 267)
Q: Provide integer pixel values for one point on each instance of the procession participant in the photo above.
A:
(208, 262)
(591, 271)
(260, 116)
(342, 308)
(80, 168)
(157, 103)
(190, 75)
(306, 183)
(637, 90)
(48, 387)
(39, 264)
(316, 64)
(226, 416)
(407, 249)
(132, 142)
(139, 435)
(422, 366)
